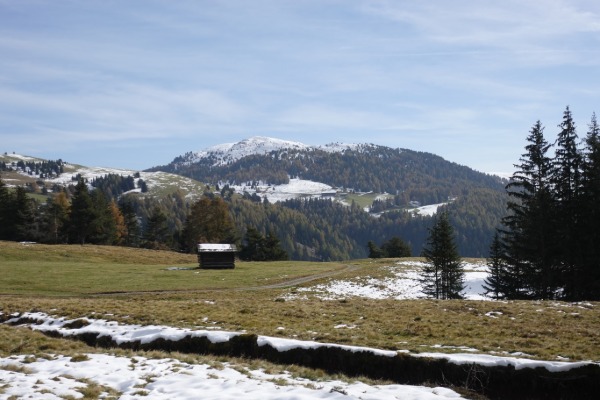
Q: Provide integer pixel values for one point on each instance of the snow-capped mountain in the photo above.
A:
(229, 152)
(225, 153)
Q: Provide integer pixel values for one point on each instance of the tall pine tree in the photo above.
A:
(443, 277)
(498, 283)
(590, 262)
(529, 224)
(566, 178)
(82, 214)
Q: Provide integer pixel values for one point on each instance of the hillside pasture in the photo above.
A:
(154, 287)
(61, 270)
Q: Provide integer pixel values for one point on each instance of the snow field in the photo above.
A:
(403, 284)
(140, 377)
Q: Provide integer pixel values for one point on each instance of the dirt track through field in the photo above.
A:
(279, 285)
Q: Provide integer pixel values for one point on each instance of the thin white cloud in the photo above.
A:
(323, 116)
(527, 29)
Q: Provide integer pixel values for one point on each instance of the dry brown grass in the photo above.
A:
(546, 330)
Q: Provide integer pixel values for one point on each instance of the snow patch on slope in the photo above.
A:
(152, 379)
(260, 145)
(230, 152)
(401, 285)
(294, 189)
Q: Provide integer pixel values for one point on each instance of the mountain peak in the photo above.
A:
(228, 152)
(259, 145)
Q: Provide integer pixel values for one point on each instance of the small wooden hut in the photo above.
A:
(216, 256)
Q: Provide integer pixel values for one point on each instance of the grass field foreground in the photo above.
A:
(61, 270)
(548, 330)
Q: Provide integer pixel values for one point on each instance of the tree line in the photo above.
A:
(41, 169)
(407, 174)
(547, 247)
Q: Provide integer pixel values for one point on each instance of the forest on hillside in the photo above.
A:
(316, 229)
(411, 175)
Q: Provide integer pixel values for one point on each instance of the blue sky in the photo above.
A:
(133, 84)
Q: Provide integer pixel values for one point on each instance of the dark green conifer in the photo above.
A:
(529, 232)
(443, 276)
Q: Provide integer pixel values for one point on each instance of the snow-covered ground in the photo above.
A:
(144, 378)
(428, 210)
(403, 284)
(294, 189)
(230, 152)
(55, 377)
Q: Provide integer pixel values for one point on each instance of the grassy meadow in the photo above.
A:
(137, 286)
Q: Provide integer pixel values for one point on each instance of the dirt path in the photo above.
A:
(301, 280)
(279, 285)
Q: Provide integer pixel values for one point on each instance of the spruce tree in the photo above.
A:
(498, 283)
(374, 250)
(443, 277)
(566, 178)
(156, 234)
(273, 250)
(253, 245)
(81, 215)
(5, 212)
(396, 247)
(590, 195)
(56, 216)
(132, 224)
(24, 217)
(529, 225)
(103, 225)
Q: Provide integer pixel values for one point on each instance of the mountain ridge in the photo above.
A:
(325, 220)
(417, 176)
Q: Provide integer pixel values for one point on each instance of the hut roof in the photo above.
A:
(216, 247)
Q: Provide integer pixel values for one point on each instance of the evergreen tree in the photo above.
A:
(566, 181)
(396, 247)
(529, 225)
(103, 225)
(24, 217)
(6, 225)
(498, 283)
(81, 215)
(253, 245)
(374, 250)
(156, 234)
(273, 250)
(257, 247)
(589, 230)
(130, 219)
(443, 276)
(56, 217)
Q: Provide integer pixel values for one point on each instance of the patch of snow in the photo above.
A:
(122, 333)
(19, 157)
(404, 284)
(338, 147)
(230, 152)
(428, 210)
(158, 379)
(260, 145)
(294, 189)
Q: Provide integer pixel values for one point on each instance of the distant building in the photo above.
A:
(329, 195)
(216, 256)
